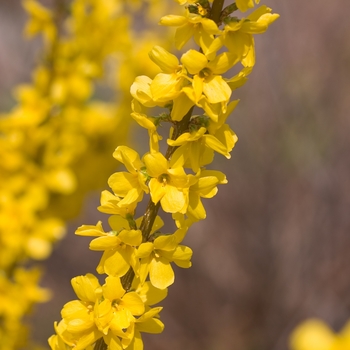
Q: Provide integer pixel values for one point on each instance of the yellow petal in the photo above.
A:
(151, 295)
(173, 201)
(113, 288)
(210, 26)
(133, 303)
(85, 287)
(121, 183)
(165, 242)
(166, 61)
(166, 87)
(156, 164)
(222, 63)
(182, 104)
(117, 262)
(183, 34)
(118, 223)
(161, 273)
(103, 243)
(131, 237)
(172, 20)
(90, 230)
(216, 89)
(128, 157)
(194, 61)
(198, 86)
(195, 210)
(144, 250)
(153, 326)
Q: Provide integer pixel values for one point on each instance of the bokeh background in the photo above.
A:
(274, 249)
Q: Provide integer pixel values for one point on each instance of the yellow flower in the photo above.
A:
(205, 187)
(117, 245)
(141, 91)
(115, 315)
(156, 257)
(197, 147)
(314, 334)
(167, 184)
(41, 20)
(130, 185)
(238, 34)
(78, 327)
(167, 86)
(206, 76)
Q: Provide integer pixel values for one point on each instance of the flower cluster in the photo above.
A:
(55, 142)
(107, 312)
(193, 94)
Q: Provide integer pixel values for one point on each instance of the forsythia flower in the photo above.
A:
(238, 34)
(107, 311)
(117, 245)
(205, 187)
(157, 255)
(197, 147)
(130, 185)
(167, 185)
(78, 328)
(41, 20)
(207, 77)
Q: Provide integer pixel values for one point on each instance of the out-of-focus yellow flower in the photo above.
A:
(314, 334)
(41, 20)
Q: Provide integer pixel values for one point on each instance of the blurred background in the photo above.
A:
(274, 249)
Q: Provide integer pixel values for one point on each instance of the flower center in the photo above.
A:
(164, 179)
(205, 73)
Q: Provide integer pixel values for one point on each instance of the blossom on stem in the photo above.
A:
(77, 327)
(237, 35)
(156, 257)
(205, 187)
(118, 245)
(168, 184)
(207, 77)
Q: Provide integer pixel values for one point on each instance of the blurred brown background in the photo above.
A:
(274, 249)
